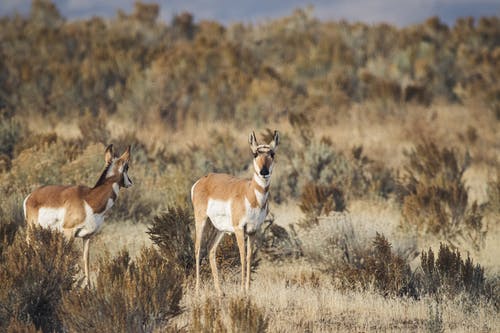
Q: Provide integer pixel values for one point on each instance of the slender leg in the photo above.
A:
(240, 239)
(197, 249)
(249, 260)
(213, 262)
(86, 245)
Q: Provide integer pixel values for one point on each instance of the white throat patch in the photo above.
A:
(261, 181)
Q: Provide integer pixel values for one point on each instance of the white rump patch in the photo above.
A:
(52, 218)
(219, 213)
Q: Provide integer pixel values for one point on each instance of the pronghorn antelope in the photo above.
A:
(78, 211)
(234, 205)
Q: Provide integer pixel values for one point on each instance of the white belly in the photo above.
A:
(52, 218)
(219, 213)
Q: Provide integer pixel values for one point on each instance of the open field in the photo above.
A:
(385, 196)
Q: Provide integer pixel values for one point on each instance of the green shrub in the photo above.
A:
(35, 277)
(129, 296)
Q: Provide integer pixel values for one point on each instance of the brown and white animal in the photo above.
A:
(78, 211)
(234, 205)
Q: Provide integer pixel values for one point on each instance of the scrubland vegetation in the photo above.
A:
(385, 211)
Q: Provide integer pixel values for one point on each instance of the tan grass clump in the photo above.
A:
(238, 314)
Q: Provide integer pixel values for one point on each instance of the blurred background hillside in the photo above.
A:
(136, 65)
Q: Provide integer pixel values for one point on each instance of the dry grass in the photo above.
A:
(296, 296)
(293, 302)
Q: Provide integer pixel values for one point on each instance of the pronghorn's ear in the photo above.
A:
(253, 142)
(109, 154)
(126, 155)
(276, 140)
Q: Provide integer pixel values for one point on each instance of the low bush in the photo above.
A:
(450, 274)
(376, 267)
(35, 276)
(354, 262)
(8, 230)
(172, 233)
(319, 200)
(435, 198)
(275, 243)
(129, 296)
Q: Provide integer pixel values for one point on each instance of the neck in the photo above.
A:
(260, 187)
(103, 196)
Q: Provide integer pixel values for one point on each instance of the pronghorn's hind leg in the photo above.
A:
(200, 222)
(213, 262)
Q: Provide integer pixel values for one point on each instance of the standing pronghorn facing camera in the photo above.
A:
(234, 205)
(78, 211)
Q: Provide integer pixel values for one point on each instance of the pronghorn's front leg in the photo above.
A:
(86, 246)
(250, 240)
(240, 239)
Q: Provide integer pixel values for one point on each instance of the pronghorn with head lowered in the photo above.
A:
(234, 205)
(78, 211)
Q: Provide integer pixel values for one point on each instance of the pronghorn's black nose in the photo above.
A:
(264, 171)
